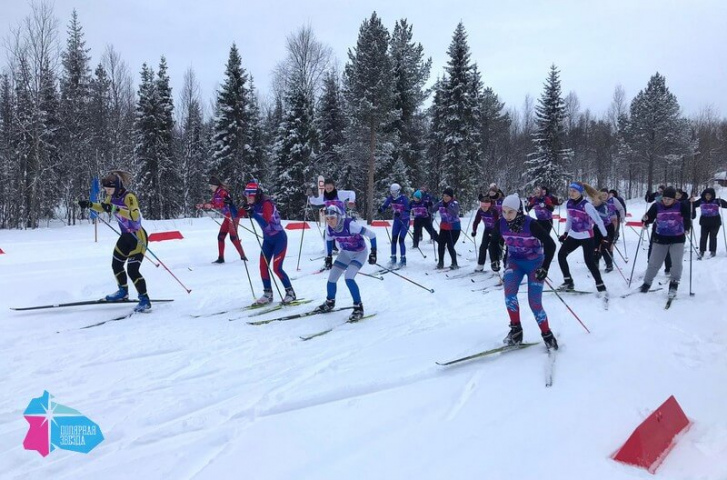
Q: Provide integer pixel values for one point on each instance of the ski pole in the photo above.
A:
(243, 226)
(305, 224)
(623, 235)
(119, 234)
(613, 261)
(566, 305)
(468, 228)
(265, 259)
(371, 276)
(638, 247)
(213, 218)
(626, 260)
(691, 241)
(430, 290)
(417, 247)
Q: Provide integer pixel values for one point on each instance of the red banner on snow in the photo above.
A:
(650, 443)
(297, 226)
(380, 223)
(634, 224)
(161, 236)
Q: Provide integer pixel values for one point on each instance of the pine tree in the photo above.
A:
(7, 190)
(655, 130)
(460, 129)
(99, 115)
(411, 72)
(369, 93)
(229, 157)
(435, 138)
(494, 126)
(547, 165)
(331, 123)
(191, 145)
(146, 160)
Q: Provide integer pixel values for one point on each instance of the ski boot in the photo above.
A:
(326, 306)
(673, 286)
(357, 314)
(440, 265)
(121, 295)
(392, 262)
(402, 261)
(454, 265)
(515, 337)
(289, 295)
(479, 268)
(219, 260)
(266, 298)
(550, 341)
(567, 285)
(144, 303)
(712, 254)
(644, 288)
(609, 268)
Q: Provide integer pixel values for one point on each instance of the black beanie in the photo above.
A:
(669, 192)
(448, 191)
(215, 181)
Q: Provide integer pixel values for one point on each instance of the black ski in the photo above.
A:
(292, 317)
(503, 349)
(321, 333)
(87, 302)
(575, 292)
(115, 319)
(639, 291)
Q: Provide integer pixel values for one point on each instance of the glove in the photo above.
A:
(372, 257)
(329, 262)
(542, 205)
(248, 208)
(562, 238)
(84, 204)
(541, 274)
(495, 266)
(107, 207)
(397, 214)
(604, 242)
(474, 233)
(381, 210)
(228, 201)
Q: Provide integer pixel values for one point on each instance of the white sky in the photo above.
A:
(596, 45)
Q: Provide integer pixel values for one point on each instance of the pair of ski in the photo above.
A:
(309, 314)
(549, 365)
(259, 308)
(485, 275)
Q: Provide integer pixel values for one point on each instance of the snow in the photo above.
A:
(206, 398)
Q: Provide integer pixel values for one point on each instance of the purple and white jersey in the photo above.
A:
(579, 219)
(399, 204)
(521, 245)
(498, 206)
(487, 218)
(349, 237)
(669, 220)
(419, 209)
(709, 209)
(606, 214)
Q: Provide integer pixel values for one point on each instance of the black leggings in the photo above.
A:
(589, 256)
(482, 257)
(129, 250)
(711, 233)
(605, 251)
(448, 238)
(426, 224)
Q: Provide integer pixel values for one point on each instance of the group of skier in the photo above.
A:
(594, 219)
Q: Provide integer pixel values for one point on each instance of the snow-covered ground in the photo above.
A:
(179, 396)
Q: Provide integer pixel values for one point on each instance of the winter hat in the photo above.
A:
(493, 185)
(252, 187)
(215, 181)
(669, 192)
(484, 198)
(577, 186)
(512, 201)
(418, 195)
(394, 188)
(448, 191)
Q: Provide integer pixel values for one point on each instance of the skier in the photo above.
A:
(220, 194)
(332, 196)
(543, 206)
(275, 241)
(530, 251)
(131, 245)
(709, 220)
(489, 218)
(349, 235)
(579, 233)
(430, 200)
(400, 205)
(449, 228)
(621, 211)
(607, 212)
(422, 219)
(672, 222)
(656, 196)
(497, 197)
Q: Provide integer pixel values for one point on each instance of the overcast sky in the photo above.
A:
(596, 45)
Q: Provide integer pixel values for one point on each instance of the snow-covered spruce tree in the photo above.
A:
(256, 152)
(7, 163)
(411, 72)
(169, 174)
(190, 145)
(99, 116)
(294, 148)
(460, 130)
(435, 138)
(330, 121)
(229, 156)
(547, 164)
(75, 133)
(494, 127)
(146, 160)
(369, 93)
(655, 130)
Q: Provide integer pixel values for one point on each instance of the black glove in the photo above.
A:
(107, 207)
(562, 238)
(329, 262)
(474, 233)
(372, 257)
(248, 208)
(84, 204)
(495, 266)
(228, 201)
(541, 274)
